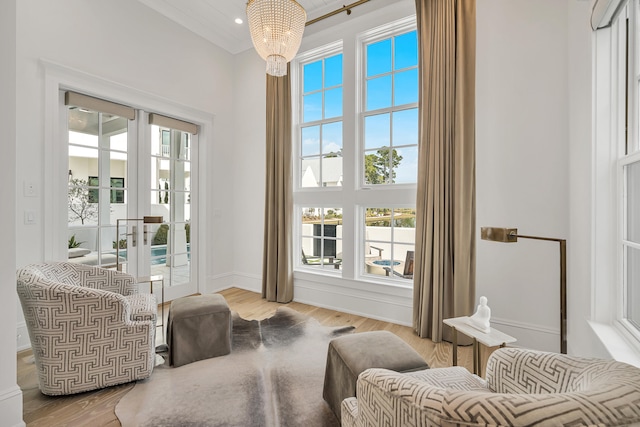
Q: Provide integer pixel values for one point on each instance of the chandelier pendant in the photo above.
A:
(276, 28)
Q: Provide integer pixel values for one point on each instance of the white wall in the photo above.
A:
(247, 180)
(522, 113)
(10, 394)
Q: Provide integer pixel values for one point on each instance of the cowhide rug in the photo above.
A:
(273, 377)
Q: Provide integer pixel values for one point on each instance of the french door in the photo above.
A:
(130, 192)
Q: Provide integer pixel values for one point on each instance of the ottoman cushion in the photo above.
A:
(198, 327)
(350, 355)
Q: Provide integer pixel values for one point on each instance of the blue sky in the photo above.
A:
(392, 81)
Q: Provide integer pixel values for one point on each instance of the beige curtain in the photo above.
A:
(277, 276)
(444, 279)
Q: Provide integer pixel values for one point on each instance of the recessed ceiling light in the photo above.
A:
(238, 21)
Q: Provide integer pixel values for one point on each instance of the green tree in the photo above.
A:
(79, 206)
(380, 167)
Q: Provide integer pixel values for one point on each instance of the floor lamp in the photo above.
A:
(510, 235)
(134, 233)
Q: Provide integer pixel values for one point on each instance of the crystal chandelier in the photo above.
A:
(276, 28)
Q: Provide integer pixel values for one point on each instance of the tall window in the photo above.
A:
(357, 155)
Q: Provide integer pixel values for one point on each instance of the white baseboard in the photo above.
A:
(248, 282)
(532, 336)
(217, 283)
(11, 407)
(374, 306)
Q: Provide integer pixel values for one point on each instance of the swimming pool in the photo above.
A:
(158, 254)
(385, 262)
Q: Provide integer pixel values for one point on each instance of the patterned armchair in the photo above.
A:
(523, 388)
(89, 327)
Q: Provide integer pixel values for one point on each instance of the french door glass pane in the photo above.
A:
(171, 199)
(98, 145)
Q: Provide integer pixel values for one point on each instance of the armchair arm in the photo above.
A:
(613, 406)
(399, 399)
(143, 306)
(406, 399)
(349, 412)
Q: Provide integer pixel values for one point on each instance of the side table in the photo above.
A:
(151, 280)
(491, 339)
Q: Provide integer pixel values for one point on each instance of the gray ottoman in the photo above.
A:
(199, 327)
(350, 355)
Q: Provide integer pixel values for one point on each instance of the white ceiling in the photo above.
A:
(214, 19)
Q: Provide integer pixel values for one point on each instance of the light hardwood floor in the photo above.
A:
(97, 408)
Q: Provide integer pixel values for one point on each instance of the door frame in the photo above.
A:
(54, 222)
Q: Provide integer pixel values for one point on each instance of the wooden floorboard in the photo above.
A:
(97, 408)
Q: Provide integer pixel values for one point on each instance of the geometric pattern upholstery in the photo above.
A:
(523, 388)
(89, 328)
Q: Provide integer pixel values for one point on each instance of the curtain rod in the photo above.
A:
(346, 8)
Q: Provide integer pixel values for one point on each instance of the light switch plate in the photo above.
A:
(29, 216)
